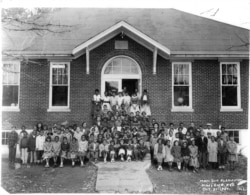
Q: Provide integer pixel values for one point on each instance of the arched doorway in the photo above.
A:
(119, 72)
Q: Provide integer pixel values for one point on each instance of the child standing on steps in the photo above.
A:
(232, 149)
(47, 148)
(74, 147)
(83, 148)
(176, 152)
(56, 147)
(64, 150)
(169, 157)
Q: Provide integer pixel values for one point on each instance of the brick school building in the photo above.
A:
(194, 69)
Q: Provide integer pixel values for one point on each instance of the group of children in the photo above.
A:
(125, 131)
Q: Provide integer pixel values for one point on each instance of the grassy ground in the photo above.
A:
(38, 179)
(204, 182)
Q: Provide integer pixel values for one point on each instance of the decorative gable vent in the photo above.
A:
(121, 44)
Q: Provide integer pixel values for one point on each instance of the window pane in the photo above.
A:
(224, 69)
(235, 79)
(54, 80)
(176, 69)
(65, 79)
(54, 71)
(60, 96)
(16, 78)
(186, 69)
(180, 80)
(230, 79)
(10, 95)
(224, 79)
(65, 70)
(60, 79)
(111, 86)
(181, 69)
(186, 80)
(5, 77)
(59, 71)
(235, 69)
(108, 69)
(229, 69)
(181, 96)
(134, 70)
(176, 81)
(229, 95)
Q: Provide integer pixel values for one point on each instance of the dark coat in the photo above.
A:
(202, 144)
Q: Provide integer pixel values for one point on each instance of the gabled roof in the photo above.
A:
(167, 29)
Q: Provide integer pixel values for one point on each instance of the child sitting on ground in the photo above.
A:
(129, 150)
(122, 150)
(83, 148)
(64, 150)
(104, 150)
(176, 152)
(47, 148)
(56, 148)
(112, 151)
(94, 149)
(74, 147)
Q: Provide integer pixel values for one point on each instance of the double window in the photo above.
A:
(11, 85)
(59, 86)
(181, 86)
(230, 86)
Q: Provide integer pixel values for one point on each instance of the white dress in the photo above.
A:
(106, 101)
(145, 106)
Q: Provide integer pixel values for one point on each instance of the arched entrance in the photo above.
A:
(119, 72)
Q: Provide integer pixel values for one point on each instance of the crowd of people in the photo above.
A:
(123, 130)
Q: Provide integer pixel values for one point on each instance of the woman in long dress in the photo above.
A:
(145, 107)
(193, 156)
(212, 152)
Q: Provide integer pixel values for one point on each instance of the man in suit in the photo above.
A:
(202, 142)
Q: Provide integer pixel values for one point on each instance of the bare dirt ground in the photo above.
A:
(38, 179)
(204, 182)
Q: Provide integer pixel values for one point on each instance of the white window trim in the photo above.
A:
(184, 108)
(231, 108)
(58, 108)
(12, 108)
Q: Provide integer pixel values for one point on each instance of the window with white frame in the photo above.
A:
(230, 85)
(11, 82)
(182, 86)
(59, 85)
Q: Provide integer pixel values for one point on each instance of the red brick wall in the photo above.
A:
(34, 96)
